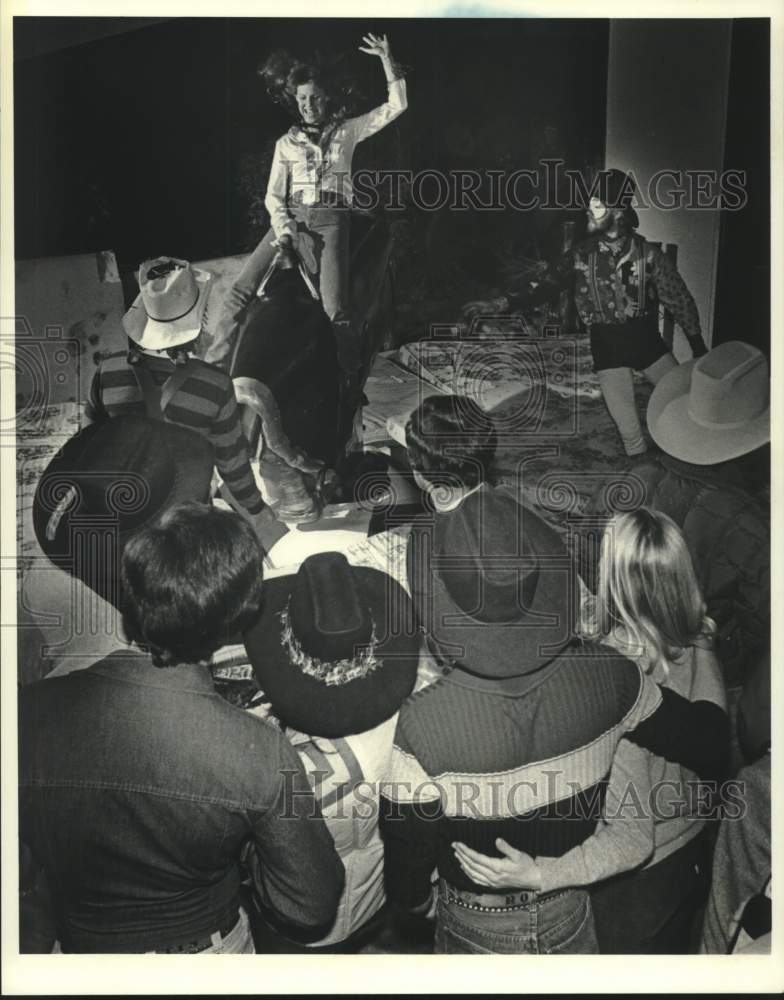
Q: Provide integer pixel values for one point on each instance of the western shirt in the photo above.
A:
(140, 790)
(303, 170)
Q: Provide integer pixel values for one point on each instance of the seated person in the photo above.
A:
(335, 655)
(143, 794)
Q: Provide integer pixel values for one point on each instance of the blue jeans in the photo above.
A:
(323, 235)
(558, 923)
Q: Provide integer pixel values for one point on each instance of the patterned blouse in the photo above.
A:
(615, 281)
(303, 170)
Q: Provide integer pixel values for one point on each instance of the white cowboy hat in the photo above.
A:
(169, 307)
(715, 408)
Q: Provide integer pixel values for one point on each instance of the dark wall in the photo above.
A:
(154, 141)
(743, 278)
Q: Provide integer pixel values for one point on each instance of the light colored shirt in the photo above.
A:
(303, 170)
(345, 775)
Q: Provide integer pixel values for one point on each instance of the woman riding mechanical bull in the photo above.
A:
(309, 197)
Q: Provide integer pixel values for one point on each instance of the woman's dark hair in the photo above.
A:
(190, 582)
(283, 73)
(451, 437)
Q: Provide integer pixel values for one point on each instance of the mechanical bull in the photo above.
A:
(299, 411)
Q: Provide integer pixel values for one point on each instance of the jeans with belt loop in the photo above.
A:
(323, 245)
(515, 923)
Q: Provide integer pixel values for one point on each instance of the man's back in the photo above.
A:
(140, 787)
(528, 762)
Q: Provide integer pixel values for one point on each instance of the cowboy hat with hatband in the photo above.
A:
(335, 650)
(714, 408)
(169, 308)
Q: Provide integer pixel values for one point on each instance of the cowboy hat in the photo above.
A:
(334, 650)
(168, 310)
(108, 481)
(497, 593)
(714, 408)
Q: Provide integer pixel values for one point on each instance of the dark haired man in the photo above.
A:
(143, 793)
(451, 445)
(619, 279)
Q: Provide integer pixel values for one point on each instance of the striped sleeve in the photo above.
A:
(231, 454)
(114, 391)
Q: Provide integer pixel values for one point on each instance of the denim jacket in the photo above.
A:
(141, 787)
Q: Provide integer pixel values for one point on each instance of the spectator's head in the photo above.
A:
(168, 312)
(190, 583)
(610, 209)
(335, 649)
(647, 586)
(451, 443)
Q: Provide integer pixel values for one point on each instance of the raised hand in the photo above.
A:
(376, 45)
(515, 869)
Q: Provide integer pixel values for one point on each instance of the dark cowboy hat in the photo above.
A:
(497, 592)
(334, 650)
(108, 481)
(615, 190)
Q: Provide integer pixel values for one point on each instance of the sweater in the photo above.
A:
(528, 761)
(652, 806)
(204, 403)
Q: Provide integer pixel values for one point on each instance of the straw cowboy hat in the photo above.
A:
(714, 408)
(106, 483)
(334, 650)
(499, 594)
(170, 305)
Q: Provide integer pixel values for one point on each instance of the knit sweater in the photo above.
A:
(653, 807)
(529, 762)
(204, 403)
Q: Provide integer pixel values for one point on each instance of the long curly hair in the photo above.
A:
(282, 73)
